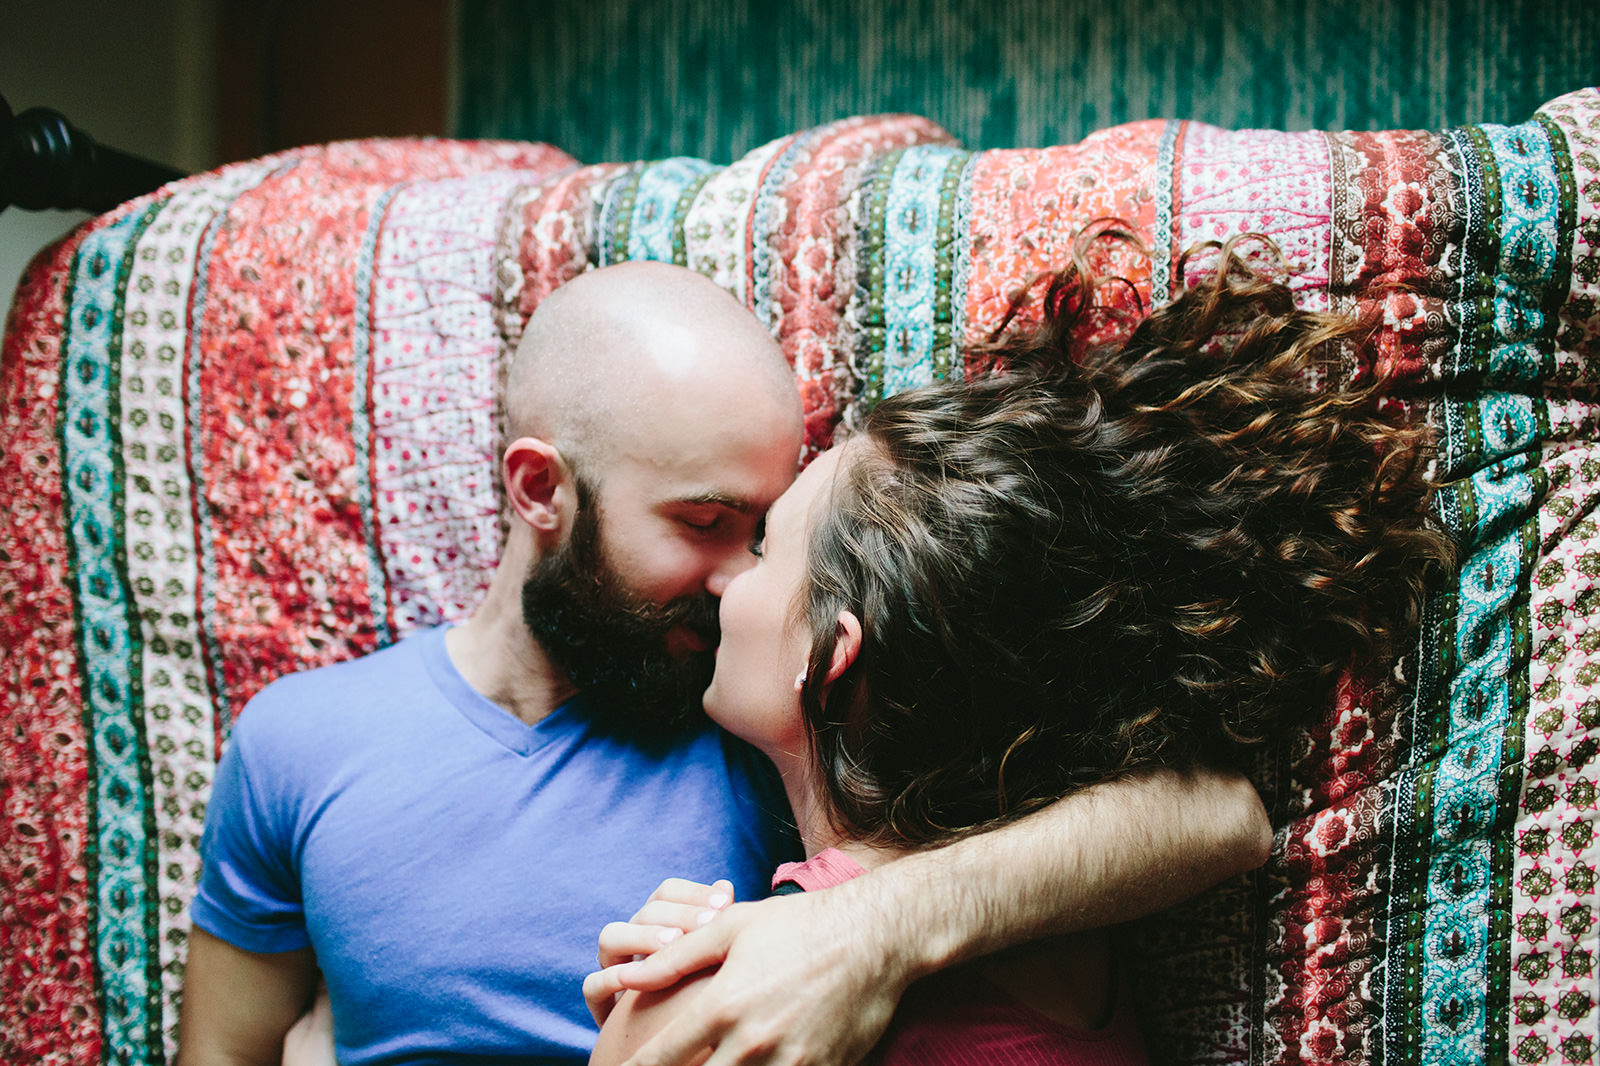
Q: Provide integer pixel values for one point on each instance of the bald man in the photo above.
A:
(443, 827)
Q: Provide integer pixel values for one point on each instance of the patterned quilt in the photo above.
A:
(247, 426)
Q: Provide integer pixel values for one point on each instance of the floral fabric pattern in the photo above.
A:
(248, 426)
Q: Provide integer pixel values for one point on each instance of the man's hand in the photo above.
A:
(803, 979)
(675, 908)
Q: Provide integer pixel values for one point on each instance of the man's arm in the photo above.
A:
(814, 978)
(237, 1004)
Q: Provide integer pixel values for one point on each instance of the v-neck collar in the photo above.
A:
(488, 716)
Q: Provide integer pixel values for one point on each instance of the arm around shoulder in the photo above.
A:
(1154, 839)
(814, 978)
(237, 1004)
(1118, 851)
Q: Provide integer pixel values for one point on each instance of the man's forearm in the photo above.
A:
(1109, 854)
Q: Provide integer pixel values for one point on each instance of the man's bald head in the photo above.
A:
(679, 423)
(608, 352)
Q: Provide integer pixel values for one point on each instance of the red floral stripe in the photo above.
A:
(290, 583)
(1026, 208)
(1323, 919)
(1396, 220)
(557, 230)
(46, 956)
(804, 298)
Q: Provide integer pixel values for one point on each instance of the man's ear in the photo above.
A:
(846, 645)
(538, 484)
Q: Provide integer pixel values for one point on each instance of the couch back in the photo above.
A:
(248, 426)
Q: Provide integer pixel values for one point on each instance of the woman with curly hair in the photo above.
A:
(1132, 543)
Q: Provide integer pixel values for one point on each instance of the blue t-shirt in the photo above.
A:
(451, 865)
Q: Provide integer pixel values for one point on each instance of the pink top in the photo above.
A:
(957, 1018)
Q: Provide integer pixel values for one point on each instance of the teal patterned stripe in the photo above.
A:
(1518, 222)
(1448, 839)
(870, 280)
(680, 213)
(1535, 270)
(909, 255)
(916, 273)
(616, 215)
(123, 890)
(659, 206)
(1466, 975)
(1536, 220)
(1413, 1035)
(642, 210)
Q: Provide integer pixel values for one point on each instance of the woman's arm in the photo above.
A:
(309, 1042)
(813, 978)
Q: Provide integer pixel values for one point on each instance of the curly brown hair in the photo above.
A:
(1156, 548)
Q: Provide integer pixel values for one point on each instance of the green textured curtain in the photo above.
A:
(633, 79)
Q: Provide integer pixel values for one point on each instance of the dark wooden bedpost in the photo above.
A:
(46, 162)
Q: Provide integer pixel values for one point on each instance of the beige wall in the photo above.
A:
(137, 76)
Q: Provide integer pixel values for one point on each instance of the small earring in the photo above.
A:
(800, 681)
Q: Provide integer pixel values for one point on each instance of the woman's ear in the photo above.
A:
(846, 645)
(535, 477)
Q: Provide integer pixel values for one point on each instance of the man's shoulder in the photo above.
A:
(366, 676)
(320, 704)
(354, 674)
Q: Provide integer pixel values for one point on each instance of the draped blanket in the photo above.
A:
(248, 426)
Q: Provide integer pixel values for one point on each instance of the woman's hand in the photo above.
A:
(802, 980)
(675, 908)
(310, 1041)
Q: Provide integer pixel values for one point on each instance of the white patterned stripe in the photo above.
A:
(1257, 181)
(1162, 260)
(435, 346)
(1553, 898)
(1577, 116)
(162, 559)
(961, 267)
(911, 253)
(716, 226)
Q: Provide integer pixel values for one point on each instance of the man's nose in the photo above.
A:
(722, 576)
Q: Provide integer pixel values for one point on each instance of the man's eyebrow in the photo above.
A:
(720, 499)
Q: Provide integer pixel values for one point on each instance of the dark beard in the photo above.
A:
(612, 644)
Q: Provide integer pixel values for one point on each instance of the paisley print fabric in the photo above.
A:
(248, 425)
